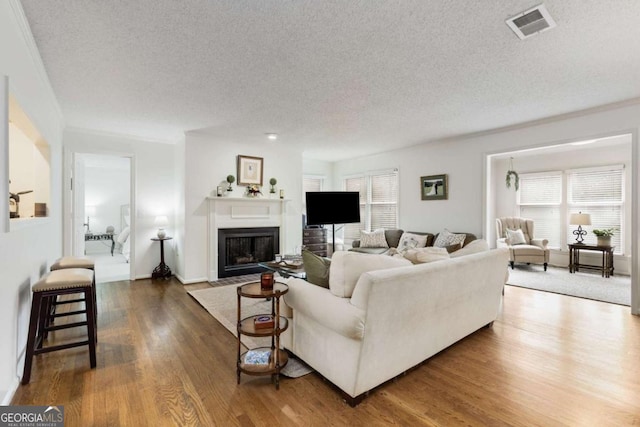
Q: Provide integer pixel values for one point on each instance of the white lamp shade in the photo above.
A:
(161, 221)
(580, 219)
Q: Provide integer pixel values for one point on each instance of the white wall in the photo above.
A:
(585, 156)
(26, 251)
(464, 160)
(207, 165)
(321, 168)
(153, 170)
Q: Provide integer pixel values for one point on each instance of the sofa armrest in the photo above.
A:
(319, 304)
(541, 243)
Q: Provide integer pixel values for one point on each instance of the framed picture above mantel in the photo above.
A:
(250, 170)
(434, 187)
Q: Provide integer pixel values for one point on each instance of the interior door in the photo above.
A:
(77, 209)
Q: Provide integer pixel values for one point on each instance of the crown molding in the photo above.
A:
(108, 134)
(34, 53)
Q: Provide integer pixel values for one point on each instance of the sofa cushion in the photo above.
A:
(432, 254)
(316, 268)
(370, 250)
(473, 247)
(393, 237)
(373, 239)
(447, 238)
(347, 266)
(411, 241)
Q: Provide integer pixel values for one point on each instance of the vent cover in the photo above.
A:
(531, 22)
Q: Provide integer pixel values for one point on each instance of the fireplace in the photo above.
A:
(241, 249)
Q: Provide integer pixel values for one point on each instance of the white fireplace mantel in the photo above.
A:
(245, 212)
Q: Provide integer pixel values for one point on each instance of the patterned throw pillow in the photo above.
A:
(411, 241)
(516, 237)
(373, 239)
(447, 238)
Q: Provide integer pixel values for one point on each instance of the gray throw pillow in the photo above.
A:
(317, 268)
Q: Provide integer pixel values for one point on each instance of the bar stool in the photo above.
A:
(49, 287)
(72, 262)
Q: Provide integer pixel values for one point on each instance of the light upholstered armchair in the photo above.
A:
(517, 235)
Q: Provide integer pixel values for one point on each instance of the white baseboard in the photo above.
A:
(191, 281)
(8, 397)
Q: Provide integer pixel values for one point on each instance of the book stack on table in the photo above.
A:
(263, 322)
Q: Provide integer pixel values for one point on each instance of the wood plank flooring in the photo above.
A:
(549, 360)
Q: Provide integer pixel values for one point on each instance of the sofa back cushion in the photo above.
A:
(347, 266)
(393, 237)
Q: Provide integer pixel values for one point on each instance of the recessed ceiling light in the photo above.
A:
(272, 136)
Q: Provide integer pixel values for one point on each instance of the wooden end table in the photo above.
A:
(606, 268)
(278, 358)
(162, 270)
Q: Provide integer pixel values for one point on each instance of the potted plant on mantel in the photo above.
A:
(604, 236)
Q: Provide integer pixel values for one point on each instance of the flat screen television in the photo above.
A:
(332, 207)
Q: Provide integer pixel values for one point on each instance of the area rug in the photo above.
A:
(616, 289)
(222, 303)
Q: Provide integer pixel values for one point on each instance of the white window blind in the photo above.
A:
(600, 193)
(310, 183)
(378, 202)
(540, 199)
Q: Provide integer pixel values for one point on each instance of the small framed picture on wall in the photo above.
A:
(434, 187)
(250, 170)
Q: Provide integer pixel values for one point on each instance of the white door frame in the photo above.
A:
(69, 223)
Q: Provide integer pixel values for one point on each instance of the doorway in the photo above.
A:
(101, 202)
(558, 176)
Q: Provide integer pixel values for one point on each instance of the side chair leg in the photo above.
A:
(545, 266)
(31, 337)
(511, 263)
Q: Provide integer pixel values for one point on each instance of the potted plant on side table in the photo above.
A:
(604, 236)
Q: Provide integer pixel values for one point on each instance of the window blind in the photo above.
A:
(378, 202)
(540, 199)
(600, 193)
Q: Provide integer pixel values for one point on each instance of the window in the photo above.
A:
(549, 198)
(378, 201)
(540, 199)
(600, 193)
(312, 183)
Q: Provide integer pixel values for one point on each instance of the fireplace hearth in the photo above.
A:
(241, 249)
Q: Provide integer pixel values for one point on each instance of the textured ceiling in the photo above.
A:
(336, 78)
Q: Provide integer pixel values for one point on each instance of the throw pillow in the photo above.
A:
(347, 266)
(411, 241)
(432, 254)
(447, 238)
(373, 239)
(516, 237)
(316, 268)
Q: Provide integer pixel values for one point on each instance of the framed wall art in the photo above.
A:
(250, 170)
(434, 187)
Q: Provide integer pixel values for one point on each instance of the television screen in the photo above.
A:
(332, 207)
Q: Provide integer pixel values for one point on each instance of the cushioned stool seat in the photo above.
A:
(73, 262)
(49, 287)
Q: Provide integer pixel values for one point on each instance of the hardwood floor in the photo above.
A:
(163, 360)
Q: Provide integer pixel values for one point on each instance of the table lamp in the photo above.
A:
(580, 219)
(161, 221)
(90, 211)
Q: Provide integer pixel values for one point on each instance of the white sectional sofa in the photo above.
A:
(370, 327)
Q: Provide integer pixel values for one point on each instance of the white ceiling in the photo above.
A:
(336, 78)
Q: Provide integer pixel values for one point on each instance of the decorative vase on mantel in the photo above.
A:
(604, 240)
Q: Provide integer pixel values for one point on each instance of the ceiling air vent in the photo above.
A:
(531, 22)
